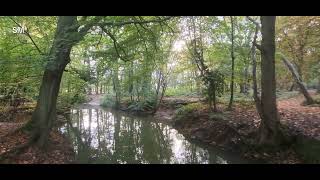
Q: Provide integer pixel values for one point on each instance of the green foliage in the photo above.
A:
(214, 81)
(67, 99)
(108, 101)
(187, 112)
(189, 108)
(146, 105)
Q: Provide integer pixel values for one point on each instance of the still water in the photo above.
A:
(112, 137)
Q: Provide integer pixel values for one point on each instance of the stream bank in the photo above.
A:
(236, 130)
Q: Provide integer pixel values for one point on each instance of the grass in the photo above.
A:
(281, 95)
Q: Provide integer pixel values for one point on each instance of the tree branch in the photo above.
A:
(115, 43)
(258, 46)
(27, 33)
(254, 22)
(134, 22)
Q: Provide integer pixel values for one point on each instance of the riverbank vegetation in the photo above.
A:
(245, 84)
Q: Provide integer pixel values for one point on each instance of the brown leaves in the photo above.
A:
(304, 119)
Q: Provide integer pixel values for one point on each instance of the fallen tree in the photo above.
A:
(298, 79)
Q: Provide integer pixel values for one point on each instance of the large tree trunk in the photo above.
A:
(232, 61)
(45, 113)
(270, 133)
(298, 80)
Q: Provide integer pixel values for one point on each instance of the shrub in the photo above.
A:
(67, 99)
(108, 101)
(144, 105)
(189, 110)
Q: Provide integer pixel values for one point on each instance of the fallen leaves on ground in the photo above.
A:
(59, 150)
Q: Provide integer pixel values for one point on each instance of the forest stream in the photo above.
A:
(101, 135)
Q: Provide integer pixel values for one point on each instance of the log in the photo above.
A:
(297, 78)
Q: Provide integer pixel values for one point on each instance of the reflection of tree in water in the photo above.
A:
(193, 155)
(115, 138)
(139, 141)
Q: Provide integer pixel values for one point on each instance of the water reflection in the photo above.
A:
(105, 136)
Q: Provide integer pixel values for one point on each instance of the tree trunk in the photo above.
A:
(97, 88)
(131, 82)
(69, 88)
(298, 80)
(270, 133)
(215, 109)
(292, 86)
(232, 68)
(45, 113)
(254, 74)
(246, 80)
(242, 87)
(318, 88)
(116, 85)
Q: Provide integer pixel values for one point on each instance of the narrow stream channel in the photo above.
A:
(111, 137)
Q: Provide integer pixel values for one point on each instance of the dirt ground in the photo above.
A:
(59, 148)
